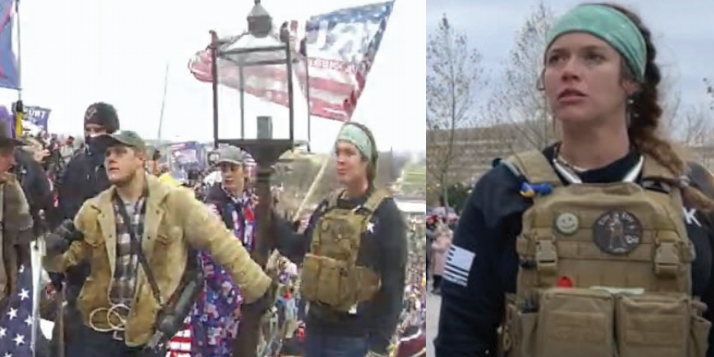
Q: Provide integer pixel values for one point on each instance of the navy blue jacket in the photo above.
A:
(385, 250)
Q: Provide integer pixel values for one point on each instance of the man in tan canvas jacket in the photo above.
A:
(173, 221)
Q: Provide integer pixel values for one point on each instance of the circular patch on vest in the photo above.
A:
(617, 232)
(567, 223)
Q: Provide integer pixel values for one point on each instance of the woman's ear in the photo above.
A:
(631, 87)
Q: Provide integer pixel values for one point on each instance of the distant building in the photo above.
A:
(472, 151)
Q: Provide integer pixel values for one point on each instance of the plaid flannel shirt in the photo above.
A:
(127, 261)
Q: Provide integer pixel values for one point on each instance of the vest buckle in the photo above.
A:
(546, 257)
(666, 260)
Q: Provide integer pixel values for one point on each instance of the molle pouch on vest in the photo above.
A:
(517, 336)
(327, 281)
(660, 325)
(368, 282)
(575, 322)
(562, 322)
(330, 273)
(310, 277)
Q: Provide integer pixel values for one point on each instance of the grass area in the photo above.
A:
(414, 176)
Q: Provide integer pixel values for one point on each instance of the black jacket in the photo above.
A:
(217, 196)
(489, 224)
(36, 188)
(83, 178)
(385, 250)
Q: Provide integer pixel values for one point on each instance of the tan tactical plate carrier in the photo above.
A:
(624, 255)
(330, 274)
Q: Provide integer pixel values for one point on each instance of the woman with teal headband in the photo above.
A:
(353, 255)
(599, 244)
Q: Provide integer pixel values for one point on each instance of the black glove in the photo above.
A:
(61, 238)
(264, 303)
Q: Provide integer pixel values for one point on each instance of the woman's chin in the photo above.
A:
(572, 116)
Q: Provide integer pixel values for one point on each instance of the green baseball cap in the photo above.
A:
(230, 154)
(128, 138)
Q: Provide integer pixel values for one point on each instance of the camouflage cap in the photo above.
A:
(230, 154)
(128, 138)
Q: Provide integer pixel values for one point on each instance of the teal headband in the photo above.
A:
(610, 25)
(357, 137)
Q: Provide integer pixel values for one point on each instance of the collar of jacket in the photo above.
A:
(104, 210)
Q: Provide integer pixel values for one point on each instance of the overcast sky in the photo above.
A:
(684, 33)
(81, 51)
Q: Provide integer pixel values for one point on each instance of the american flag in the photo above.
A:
(16, 321)
(340, 47)
(9, 77)
(180, 345)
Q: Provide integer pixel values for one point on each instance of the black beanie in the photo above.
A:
(102, 114)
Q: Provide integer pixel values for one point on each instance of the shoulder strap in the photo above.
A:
(656, 177)
(333, 198)
(136, 247)
(371, 204)
(653, 170)
(375, 199)
(534, 167)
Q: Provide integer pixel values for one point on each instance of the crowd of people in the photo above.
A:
(439, 234)
(129, 251)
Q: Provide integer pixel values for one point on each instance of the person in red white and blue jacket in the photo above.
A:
(216, 315)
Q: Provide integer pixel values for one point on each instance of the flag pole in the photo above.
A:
(37, 248)
(19, 108)
(163, 103)
(317, 180)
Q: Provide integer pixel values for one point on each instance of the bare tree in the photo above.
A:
(518, 101)
(695, 126)
(454, 73)
(672, 109)
(695, 131)
(710, 91)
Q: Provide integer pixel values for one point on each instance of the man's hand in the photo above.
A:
(61, 238)
(264, 303)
